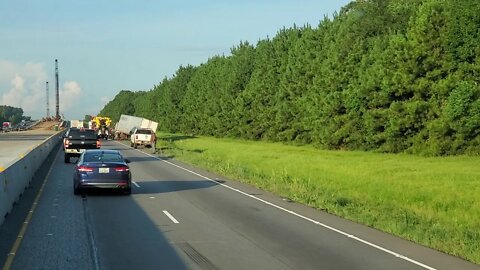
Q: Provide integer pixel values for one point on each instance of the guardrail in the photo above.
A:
(18, 175)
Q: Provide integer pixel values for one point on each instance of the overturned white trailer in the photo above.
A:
(127, 122)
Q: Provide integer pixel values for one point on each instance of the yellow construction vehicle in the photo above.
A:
(102, 126)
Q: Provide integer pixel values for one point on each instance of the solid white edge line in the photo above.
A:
(135, 183)
(296, 214)
(170, 217)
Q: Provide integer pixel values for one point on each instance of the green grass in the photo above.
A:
(432, 201)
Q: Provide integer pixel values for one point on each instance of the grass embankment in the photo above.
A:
(433, 201)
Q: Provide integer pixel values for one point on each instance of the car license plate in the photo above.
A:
(103, 170)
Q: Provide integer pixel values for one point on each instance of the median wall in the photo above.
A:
(16, 177)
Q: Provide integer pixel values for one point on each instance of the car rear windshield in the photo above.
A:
(102, 157)
(144, 131)
(88, 134)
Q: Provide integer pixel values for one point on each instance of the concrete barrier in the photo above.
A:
(18, 175)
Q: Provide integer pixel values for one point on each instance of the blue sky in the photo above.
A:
(107, 46)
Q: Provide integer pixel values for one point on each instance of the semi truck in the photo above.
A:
(127, 124)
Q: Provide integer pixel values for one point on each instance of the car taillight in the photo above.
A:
(82, 168)
(122, 169)
(98, 144)
(66, 143)
(136, 137)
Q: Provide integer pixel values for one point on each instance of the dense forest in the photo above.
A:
(11, 114)
(384, 75)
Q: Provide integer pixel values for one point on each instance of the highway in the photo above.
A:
(179, 217)
(14, 144)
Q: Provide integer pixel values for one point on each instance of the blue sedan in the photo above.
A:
(102, 169)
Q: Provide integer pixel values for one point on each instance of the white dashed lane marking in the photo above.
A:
(170, 217)
(397, 255)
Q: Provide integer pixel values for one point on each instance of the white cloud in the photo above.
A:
(14, 95)
(18, 82)
(23, 86)
(7, 69)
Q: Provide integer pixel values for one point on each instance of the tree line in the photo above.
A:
(11, 114)
(384, 75)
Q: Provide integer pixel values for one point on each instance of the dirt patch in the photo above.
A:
(47, 125)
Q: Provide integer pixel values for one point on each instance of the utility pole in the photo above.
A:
(48, 103)
(57, 107)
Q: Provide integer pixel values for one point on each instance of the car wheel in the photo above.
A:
(67, 158)
(76, 191)
(135, 146)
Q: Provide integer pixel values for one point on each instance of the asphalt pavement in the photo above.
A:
(180, 217)
(16, 143)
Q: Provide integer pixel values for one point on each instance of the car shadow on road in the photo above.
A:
(167, 186)
(116, 219)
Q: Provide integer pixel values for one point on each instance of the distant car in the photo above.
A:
(102, 169)
(22, 125)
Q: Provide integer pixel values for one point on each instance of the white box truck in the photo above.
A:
(76, 123)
